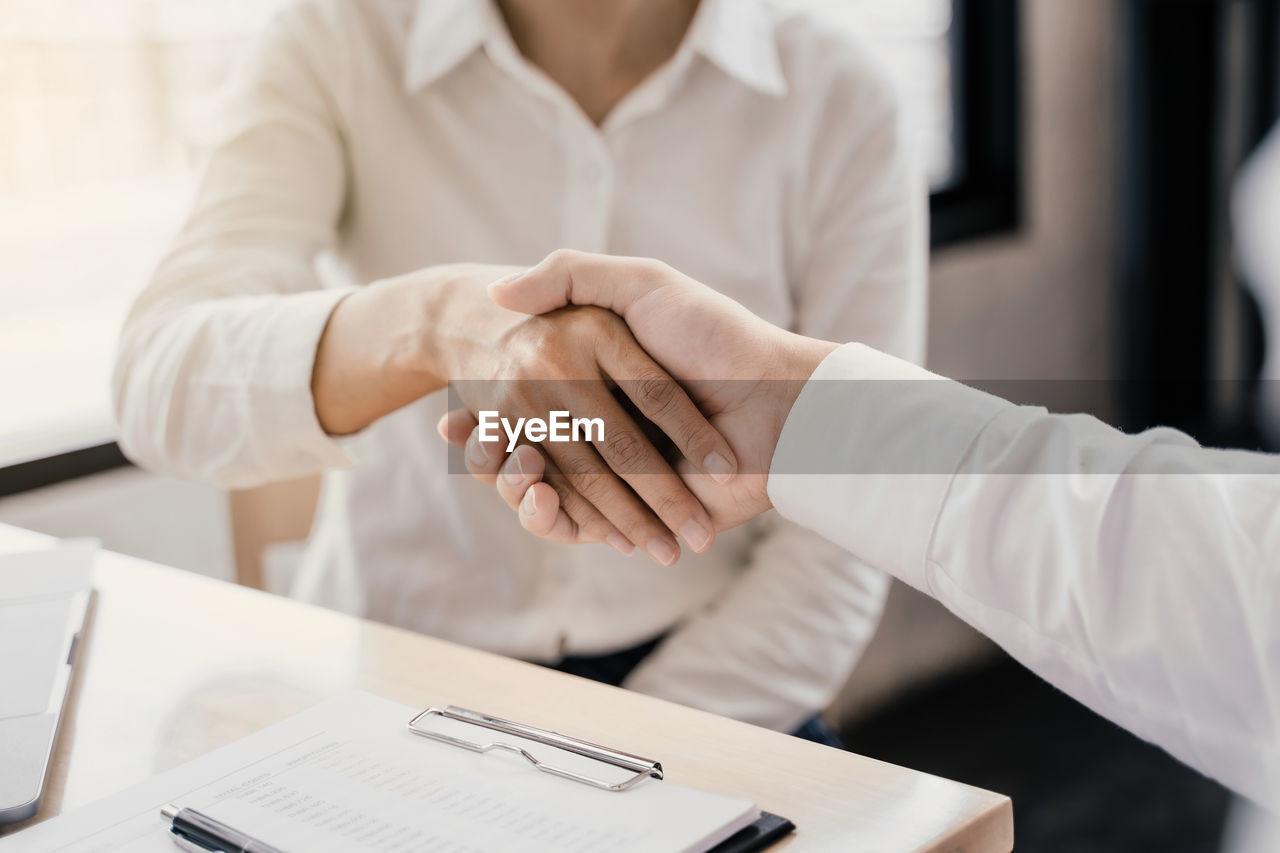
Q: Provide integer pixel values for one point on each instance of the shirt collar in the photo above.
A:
(444, 33)
(737, 36)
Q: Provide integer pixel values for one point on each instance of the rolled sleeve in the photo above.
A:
(221, 390)
(213, 370)
(281, 395)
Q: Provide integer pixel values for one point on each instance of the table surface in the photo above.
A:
(176, 664)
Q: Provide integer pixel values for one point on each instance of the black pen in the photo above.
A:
(202, 832)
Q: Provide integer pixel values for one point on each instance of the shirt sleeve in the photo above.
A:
(1138, 573)
(783, 641)
(213, 368)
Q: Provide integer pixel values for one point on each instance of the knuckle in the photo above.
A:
(624, 447)
(593, 487)
(657, 394)
(578, 468)
(586, 479)
(561, 258)
(652, 269)
(602, 319)
(698, 436)
(587, 320)
(565, 494)
(668, 505)
(518, 394)
(535, 334)
(572, 502)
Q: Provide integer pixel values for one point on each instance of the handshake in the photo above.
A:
(1136, 594)
(691, 371)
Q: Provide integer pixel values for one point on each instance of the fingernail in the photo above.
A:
(513, 472)
(696, 535)
(476, 453)
(662, 551)
(529, 505)
(718, 467)
(620, 543)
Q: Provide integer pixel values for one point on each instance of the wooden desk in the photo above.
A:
(176, 665)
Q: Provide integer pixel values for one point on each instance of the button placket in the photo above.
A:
(588, 184)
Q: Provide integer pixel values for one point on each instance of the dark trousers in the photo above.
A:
(613, 669)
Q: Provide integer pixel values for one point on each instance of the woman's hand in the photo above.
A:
(742, 372)
(400, 339)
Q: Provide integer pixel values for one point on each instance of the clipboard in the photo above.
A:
(766, 830)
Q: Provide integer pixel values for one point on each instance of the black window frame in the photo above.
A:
(984, 200)
(1174, 248)
(68, 465)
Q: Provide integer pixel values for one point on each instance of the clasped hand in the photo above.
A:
(735, 376)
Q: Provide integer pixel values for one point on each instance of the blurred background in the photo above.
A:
(1082, 156)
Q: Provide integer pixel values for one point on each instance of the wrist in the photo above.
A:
(455, 323)
(802, 355)
(797, 360)
(369, 361)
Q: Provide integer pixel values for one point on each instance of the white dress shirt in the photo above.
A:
(766, 158)
(1140, 574)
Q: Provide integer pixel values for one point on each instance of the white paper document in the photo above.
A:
(348, 777)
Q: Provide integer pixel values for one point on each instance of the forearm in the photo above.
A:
(1132, 572)
(397, 341)
(1150, 599)
(368, 362)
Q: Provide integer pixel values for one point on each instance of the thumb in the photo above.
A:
(455, 426)
(566, 277)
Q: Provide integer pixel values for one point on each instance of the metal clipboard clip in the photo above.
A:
(642, 768)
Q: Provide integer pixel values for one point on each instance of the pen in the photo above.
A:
(201, 832)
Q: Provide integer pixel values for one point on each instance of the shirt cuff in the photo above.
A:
(868, 453)
(282, 373)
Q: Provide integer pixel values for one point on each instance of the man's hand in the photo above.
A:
(397, 340)
(741, 371)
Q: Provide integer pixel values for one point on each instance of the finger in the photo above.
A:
(483, 458)
(592, 482)
(585, 522)
(455, 426)
(522, 469)
(566, 277)
(539, 512)
(631, 455)
(661, 399)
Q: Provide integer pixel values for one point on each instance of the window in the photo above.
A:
(912, 40)
(96, 101)
(983, 195)
(956, 66)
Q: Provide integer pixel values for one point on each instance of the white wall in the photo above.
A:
(1038, 306)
